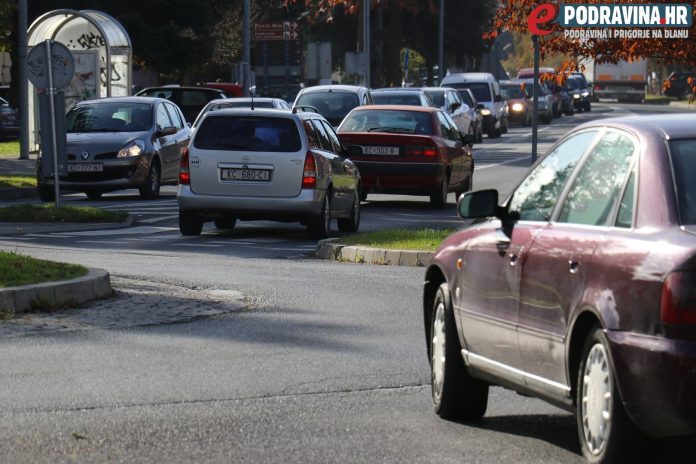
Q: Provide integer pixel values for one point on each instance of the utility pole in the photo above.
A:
(23, 82)
(246, 59)
(441, 45)
(366, 40)
(535, 98)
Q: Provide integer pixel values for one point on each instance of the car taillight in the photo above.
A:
(184, 173)
(309, 176)
(678, 302)
(421, 151)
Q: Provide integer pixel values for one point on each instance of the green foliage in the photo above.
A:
(17, 181)
(49, 213)
(9, 149)
(399, 239)
(16, 269)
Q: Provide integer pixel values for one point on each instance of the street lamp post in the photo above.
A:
(441, 44)
(246, 59)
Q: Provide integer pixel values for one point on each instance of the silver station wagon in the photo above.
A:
(267, 164)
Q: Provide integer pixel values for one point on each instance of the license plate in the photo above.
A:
(254, 175)
(392, 151)
(86, 167)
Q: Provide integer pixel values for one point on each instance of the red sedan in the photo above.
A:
(408, 150)
(579, 289)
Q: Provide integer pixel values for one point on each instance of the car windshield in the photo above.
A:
(511, 91)
(437, 96)
(248, 133)
(528, 90)
(481, 91)
(109, 117)
(334, 106)
(683, 154)
(572, 83)
(395, 121)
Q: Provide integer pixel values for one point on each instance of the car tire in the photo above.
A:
(588, 106)
(93, 194)
(225, 223)
(455, 394)
(492, 132)
(479, 137)
(351, 224)
(438, 199)
(466, 187)
(604, 428)
(151, 189)
(320, 226)
(190, 223)
(504, 125)
(46, 193)
(363, 195)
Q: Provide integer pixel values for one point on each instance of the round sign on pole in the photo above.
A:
(63, 66)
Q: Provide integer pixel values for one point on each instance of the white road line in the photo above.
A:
(478, 168)
(202, 245)
(50, 235)
(157, 219)
(128, 231)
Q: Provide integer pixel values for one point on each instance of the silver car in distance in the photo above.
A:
(267, 164)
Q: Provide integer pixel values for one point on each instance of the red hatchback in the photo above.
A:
(579, 289)
(410, 150)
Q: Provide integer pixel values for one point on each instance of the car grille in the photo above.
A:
(111, 173)
(101, 156)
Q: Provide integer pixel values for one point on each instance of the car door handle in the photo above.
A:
(513, 259)
(573, 266)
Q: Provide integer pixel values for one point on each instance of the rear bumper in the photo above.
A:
(305, 205)
(396, 177)
(657, 381)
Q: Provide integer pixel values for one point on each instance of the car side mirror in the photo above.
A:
(478, 204)
(252, 91)
(480, 106)
(167, 131)
(467, 139)
(455, 106)
(498, 98)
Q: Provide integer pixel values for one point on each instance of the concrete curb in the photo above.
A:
(683, 105)
(331, 250)
(96, 284)
(20, 228)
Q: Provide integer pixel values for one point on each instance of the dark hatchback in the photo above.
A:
(120, 143)
(579, 289)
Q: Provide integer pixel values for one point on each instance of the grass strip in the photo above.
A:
(49, 213)
(16, 269)
(17, 181)
(399, 239)
(9, 149)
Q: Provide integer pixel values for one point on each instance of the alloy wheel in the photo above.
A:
(597, 399)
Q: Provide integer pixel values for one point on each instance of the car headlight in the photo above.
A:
(586, 94)
(485, 112)
(517, 107)
(135, 148)
(575, 95)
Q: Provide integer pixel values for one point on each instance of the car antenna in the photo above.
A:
(252, 91)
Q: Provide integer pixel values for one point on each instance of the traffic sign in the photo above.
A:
(62, 65)
(286, 30)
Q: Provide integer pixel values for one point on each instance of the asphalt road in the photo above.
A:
(326, 364)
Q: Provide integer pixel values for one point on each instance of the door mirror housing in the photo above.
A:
(467, 139)
(455, 106)
(478, 204)
(498, 98)
(167, 131)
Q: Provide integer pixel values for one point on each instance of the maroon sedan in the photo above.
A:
(580, 289)
(409, 150)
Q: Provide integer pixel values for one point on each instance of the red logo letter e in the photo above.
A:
(544, 13)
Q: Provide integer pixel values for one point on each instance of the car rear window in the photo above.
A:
(248, 133)
(332, 105)
(481, 90)
(396, 99)
(683, 153)
(395, 121)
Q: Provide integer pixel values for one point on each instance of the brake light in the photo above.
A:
(309, 177)
(421, 151)
(678, 302)
(184, 173)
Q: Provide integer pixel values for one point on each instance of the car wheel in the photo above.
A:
(438, 199)
(320, 226)
(479, 137)
(351, 224)
(46, 193)
(363, 195)
(455, 394)
(151, 189)
(466, 186)
(504, 125)
(588, 106)
(93, 194)
(190, 223)
(225, 223)
(604, 427)
(492, 132)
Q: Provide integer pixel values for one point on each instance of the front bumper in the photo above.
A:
(657, 380)
(305, 205)
(116, 174)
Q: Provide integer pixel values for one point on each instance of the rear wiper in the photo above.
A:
(380, 129)
(398, 130)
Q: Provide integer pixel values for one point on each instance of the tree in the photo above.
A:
(514, 14)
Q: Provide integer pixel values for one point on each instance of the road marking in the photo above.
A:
(128, 231)
(478, 168)
(158, 219)
(203, 245)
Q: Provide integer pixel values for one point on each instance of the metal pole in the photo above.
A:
(366, 40)
(441, 44)
(535, 98)
(54, 139)
(246, 60)
(23, 83)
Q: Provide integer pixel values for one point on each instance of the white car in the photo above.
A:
(242, 102)
(449, 100)
(267, 164)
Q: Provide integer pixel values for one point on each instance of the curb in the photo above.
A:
(329, 249)
(21, 228)
(96, 284)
